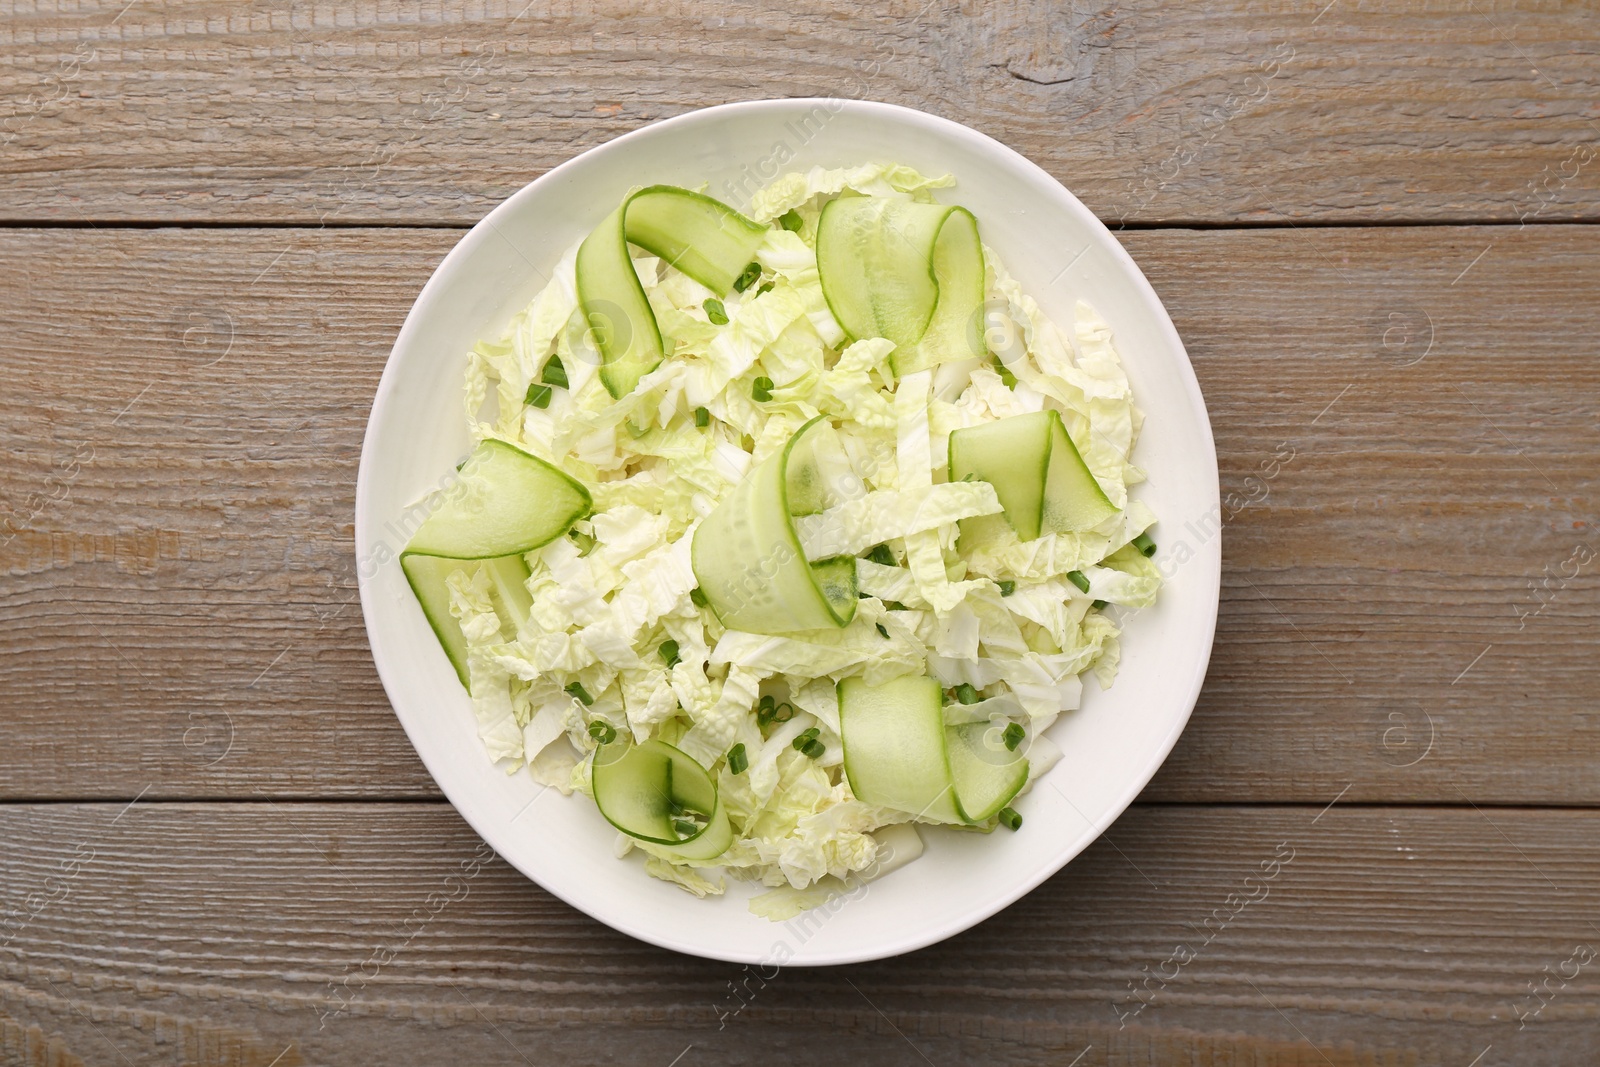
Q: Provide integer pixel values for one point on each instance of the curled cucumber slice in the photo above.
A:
(909, 272)
(899, 754)
(705, 238)
(502, 502)
(1036, 471)
(656, 793)
(749, 562)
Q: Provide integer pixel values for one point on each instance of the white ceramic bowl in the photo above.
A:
(1059, 252)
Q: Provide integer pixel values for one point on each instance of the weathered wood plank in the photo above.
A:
(197, 564)
(356, 933)
(179, 613)
(1440, 506)
(1155, 111)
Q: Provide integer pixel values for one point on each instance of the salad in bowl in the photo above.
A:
(788, 530)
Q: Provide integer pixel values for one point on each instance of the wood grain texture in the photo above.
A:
(1411, 600)
(1154, 111)
(184, 414)
(357, 933)
(1406, 423)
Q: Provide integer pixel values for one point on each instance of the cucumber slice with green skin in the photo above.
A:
(955, 330)
(817, 466)
(426, 575)
(1073, 500)
(894, 746)
(875, 261)
(505, 502)
(909, 272)
(986, 774)
(508, 577)
(615, 307)
(749, 563)
(836, 578)
(643, 789)
(508, 589)
(704, 238)
(899, 754)
(1036, 471)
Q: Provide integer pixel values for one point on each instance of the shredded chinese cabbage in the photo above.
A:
(615, 634)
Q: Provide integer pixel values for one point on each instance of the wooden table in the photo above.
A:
(1373, 225)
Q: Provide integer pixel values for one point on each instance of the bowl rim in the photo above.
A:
(480, 819)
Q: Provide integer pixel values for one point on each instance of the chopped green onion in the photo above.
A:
(737, 760)
(580, 694)
(791, 221)
(769, 711)
(716, 312)
(1007, 379)
(1079, 579)
(761, 389)
(882, 556)
(602, 731)
(882, 631)
(538, 396)
(807, 743)
(555, 373)
(1012, 736)
(764, 287)
(747, 278)
(698, 597)
(702, 417)
(966, 694)
(684, 827)
(585, 542)
(1098, 604)
(1007, 587)
(669, 653)
(1010, 819)
(1144, 544)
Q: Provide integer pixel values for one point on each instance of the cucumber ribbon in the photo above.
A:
(909, 272)
(898, 753)
(748, 559)
(1037, 472)
(656, 793)
(501, 504)
(704, 238)
(508, 592)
